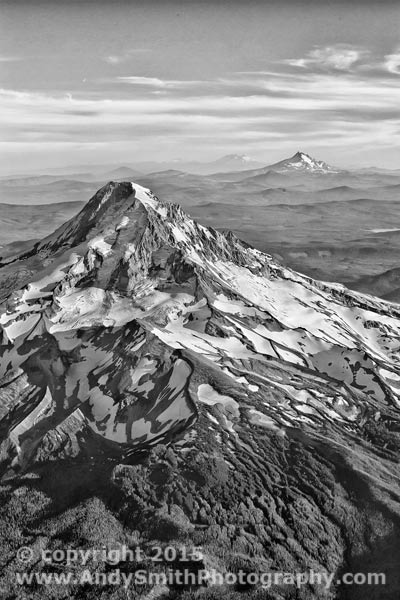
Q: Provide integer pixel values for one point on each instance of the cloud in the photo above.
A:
(164, 83)
(113, 59)
(10, 58)
(116, 59)
(341, 57)
(346, 58)
(347, 108)
(150, 81)
(392, 62)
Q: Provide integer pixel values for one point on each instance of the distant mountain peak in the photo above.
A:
(301, 161)
(229, 162)
(236, 157)
(236, 162)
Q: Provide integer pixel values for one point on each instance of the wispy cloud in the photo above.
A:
(10, 58)
(333, 105)
(156, 82)
(117, 59)
(345, 58)
(150, 81)
(340, 57)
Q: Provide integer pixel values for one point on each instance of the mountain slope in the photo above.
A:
(132, 325)
(128, 258)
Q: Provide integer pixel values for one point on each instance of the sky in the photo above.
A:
(120, 82)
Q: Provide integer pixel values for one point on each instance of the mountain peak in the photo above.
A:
(237, 157)
(302, 156)
(301, 161)
(236, 162)
(123, 214)
(118, 308)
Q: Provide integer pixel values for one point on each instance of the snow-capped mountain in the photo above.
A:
(132, 321)
(303, 162)
(240, 158)
(298, 164)
(230, 162)
(236, 162)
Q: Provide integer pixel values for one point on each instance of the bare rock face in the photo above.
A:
(133, 325)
